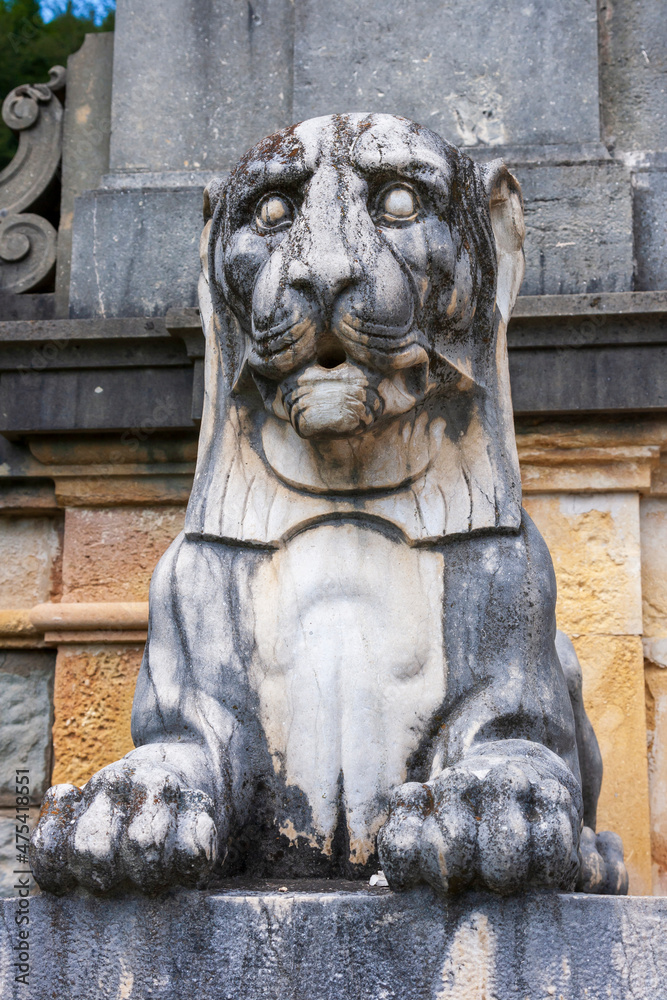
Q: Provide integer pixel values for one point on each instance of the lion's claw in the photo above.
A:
(602, 869)
(129, 824)
(506, 829)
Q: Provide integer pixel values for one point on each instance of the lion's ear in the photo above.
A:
(212, 193)
(509, 230)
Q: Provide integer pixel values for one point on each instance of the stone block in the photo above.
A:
(578, 228)
(656, 724)
(8, 864)
(594, 544)
(268, 944)
(633, 89)
(110, 554)
(94, 688)
(476, 73)
(33, 543)
(650, 223)
(196, 84)
(126, 261)
(653, 515)
(578, 239)
(86, 131)
(613, 669)
(26, 691)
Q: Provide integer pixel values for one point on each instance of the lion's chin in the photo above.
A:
(327, 403)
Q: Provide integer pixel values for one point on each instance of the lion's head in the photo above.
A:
(358, 276)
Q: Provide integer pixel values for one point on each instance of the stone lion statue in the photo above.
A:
(352, 659)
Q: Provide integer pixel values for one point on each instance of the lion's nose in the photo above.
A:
(323, 275)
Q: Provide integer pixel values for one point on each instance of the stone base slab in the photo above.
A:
(332, 941)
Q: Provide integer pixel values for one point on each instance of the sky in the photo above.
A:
(50, 8)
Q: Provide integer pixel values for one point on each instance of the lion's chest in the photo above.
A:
(349, 670)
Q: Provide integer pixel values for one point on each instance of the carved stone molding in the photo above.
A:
(61, 624)
(28, 241)
(108, 621)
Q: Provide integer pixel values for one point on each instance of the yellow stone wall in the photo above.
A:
(653, 520)
(109, 555)
(595, 546)
(598, 494)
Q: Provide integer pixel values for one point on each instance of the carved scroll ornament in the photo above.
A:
(27, 240)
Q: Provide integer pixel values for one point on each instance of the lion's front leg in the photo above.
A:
(161, 815)
(503, 819)
(141, 821)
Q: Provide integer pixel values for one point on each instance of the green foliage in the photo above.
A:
(29, 47)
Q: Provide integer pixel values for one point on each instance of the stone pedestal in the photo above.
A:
(333, 941)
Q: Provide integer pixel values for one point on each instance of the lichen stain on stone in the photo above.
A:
(82, 114)
(468, 972)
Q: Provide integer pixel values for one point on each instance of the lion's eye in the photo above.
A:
(397, 204)
(273, 213)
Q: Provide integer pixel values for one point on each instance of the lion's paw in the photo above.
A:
(602, 869)
(503, 828)
(130, 823)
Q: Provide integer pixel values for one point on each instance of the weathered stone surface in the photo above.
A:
(94, 686)
(39, 306)
(653, 514)
(656, 725)
(478, 73)
(572, 470)
(101, 399)
(335, 943)
(594, 542)
(110, 555)
(564, 380)
(33, 543)
(111, 491)
(142, 274)
(8, 865)
(620, 363)
(650, 223)
(578, 239)
(613, 669)
(202, 85)
(26, 693)
(633, 92)
(483, 75)
(578, 226)
(86, 131)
